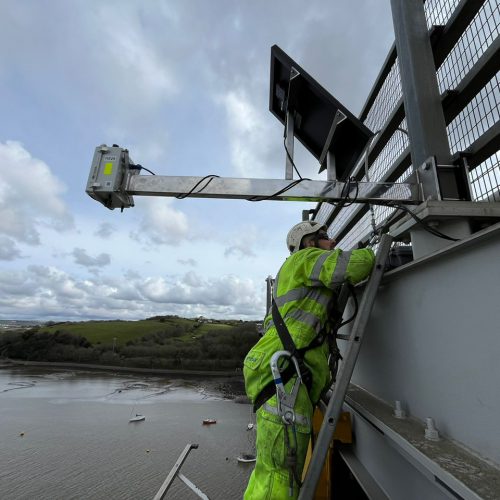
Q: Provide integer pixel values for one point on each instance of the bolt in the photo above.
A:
(398, 410)
(431, 432)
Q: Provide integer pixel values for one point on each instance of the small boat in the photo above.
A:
(208, 421)
(250, 426)
(246, 458)
(137, 418)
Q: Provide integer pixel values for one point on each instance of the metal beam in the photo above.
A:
(267, 189)
(473, 479)
(422, 102)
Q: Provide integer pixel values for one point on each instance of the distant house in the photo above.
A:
(202, 319)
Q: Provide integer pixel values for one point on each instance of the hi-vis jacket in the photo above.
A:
(303, 290)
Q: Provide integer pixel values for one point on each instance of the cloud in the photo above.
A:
(105, 230)
(161, 224)
(187, 262)
(193, 289)
(83, 259)
(245, 239)
(50, 293)
(30, 196)
(8, 249)
(251, 140)
(132, 51)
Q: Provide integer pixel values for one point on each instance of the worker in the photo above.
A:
(304, 290)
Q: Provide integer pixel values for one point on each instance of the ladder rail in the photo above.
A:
(174, 472)
(192, 486)
(334, 407)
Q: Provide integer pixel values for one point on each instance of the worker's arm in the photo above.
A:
(360, 265)
(331, 269)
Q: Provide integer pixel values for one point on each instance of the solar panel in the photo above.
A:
(314, 110)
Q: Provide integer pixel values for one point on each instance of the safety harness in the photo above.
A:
(269, 390)
(328, 331)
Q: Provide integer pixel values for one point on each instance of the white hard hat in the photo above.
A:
(300, 230)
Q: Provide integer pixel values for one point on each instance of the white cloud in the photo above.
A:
(161, 224)
(130, 49)
(187, 262)
(250, 139)
(83, 259)
(193, 289)
(8, 249)
(105, 230)
(30, 195)
(48, 292)
(244, 240)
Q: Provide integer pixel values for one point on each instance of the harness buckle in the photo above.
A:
(285, 401)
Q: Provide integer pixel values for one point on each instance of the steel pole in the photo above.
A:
(424, 118)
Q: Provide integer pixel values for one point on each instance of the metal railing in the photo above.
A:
(466, 49)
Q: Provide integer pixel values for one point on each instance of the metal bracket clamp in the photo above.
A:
(285, 401)
(444, 182)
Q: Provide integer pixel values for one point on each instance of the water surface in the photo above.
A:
(66, 435)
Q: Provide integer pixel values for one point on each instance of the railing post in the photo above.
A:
(424, 113)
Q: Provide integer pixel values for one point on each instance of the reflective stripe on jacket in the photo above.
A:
(303, 290)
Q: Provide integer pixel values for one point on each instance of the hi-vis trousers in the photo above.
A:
(270, 480)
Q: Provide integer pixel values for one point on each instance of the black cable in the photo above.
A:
(419, 221)
(281, 191)
(210, 179)
(347, 201)
(140, 167)
(356, 306)
(147, 170)
(425, 225)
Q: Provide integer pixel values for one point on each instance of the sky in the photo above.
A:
(184, 86)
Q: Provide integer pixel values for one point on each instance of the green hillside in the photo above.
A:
(123, 331)
(166, 342)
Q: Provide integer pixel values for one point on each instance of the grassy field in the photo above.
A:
(162, 342)
(123, 331)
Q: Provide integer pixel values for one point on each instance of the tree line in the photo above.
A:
(218, 349)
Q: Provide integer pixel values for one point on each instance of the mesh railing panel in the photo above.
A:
(477, 117)
(438, 12)
(478, 36)
(471, 123)
(485, 179)
(385, 102)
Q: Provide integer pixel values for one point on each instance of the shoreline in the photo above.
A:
(6, 363)
(232, 387)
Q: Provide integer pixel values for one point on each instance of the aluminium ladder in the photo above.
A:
(175, 472)
(355, 337)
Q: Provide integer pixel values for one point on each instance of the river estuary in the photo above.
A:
(66, 435)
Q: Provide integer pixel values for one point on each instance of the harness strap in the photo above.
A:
(269, 390)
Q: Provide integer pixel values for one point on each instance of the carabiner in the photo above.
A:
(285, 401)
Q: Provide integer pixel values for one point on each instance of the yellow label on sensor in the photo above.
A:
(108, 168)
